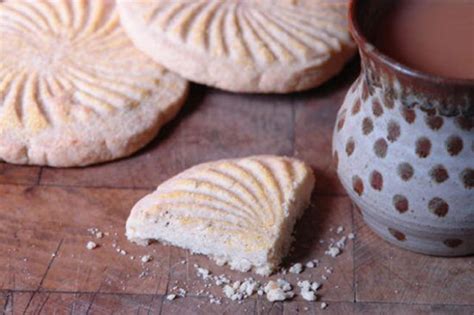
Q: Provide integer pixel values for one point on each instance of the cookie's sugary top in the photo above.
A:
(67, 60)
(252, 32)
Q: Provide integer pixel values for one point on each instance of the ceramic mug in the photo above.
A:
(404, 147)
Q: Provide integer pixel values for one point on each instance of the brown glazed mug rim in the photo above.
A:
(372, 51)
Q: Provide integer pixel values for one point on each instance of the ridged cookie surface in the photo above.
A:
(73, 88)
(243, 45)
(239, 211)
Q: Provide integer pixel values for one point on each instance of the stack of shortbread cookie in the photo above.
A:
(89, 81)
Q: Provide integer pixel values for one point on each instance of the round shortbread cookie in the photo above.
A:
(267, 46)
(73, 88)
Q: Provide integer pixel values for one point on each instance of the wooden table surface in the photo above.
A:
(45, 215)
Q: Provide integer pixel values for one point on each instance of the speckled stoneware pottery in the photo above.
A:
(404, 147)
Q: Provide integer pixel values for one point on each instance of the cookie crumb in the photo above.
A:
(308, 290)
(171, 297)
(310, 264)
(279, 290)
(146, 258)
(333, 251)
(296, 268)
(91, 245)
(203, 273)
(324, 305)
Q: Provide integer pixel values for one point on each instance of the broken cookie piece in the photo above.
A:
(239, 211)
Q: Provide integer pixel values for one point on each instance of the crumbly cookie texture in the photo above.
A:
(238, 211)
(266, 46)
(73, 88)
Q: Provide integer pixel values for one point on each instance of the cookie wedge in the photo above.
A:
(237, 211)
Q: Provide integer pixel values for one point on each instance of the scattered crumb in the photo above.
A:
(310, 264)
(96, 232)
(324, 305)
(351, 236)
(296, 268)
(214, 300)
(340, 229)
(171, 297)
(285, 285)
(91, 245)
(146, 258)
(341, 243)
(220, 280)
(333, 251)
(123, 252)
(308, 295)
(203, 273)
(308, 290)
(182, 292)
(279, 290)
(315, 286)
(238, 290)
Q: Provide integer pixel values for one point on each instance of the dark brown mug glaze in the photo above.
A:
(404, 147)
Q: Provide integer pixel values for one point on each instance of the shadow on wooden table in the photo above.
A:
(308, 231)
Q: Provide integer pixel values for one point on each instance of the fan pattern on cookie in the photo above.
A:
(248, 196)
(53, 67)
(254, 32)
(242, 210)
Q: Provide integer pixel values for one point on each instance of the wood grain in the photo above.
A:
(22, 175)
(408, 277)
(101, 304)
(77, 303)
(49, 246)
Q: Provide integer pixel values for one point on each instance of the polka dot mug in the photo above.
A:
(404, 148)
